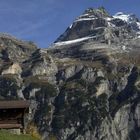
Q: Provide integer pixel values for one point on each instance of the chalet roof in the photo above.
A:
(14, 104)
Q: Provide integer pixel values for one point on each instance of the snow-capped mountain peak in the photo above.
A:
(95, 23)
(130, 19)
(126, 17)
(91, 14)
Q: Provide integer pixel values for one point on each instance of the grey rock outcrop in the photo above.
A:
(86, 86)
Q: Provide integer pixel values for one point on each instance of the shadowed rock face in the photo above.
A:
(86, 86)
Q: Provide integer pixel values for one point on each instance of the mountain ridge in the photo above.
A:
(86, 86)
(110, 20)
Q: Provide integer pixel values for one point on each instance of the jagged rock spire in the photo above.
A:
(99, 12)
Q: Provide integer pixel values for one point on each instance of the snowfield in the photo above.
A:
(73, 41)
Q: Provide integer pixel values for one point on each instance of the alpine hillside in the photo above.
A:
(86, 85)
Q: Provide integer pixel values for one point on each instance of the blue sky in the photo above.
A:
(42, 21)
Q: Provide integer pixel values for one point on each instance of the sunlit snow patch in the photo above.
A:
(73, 41)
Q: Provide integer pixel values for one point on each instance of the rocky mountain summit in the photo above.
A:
(86, 85)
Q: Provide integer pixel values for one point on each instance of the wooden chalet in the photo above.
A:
(12, 114)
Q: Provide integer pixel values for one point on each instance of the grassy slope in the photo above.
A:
(7, 136)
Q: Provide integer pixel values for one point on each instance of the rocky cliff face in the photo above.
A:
(86, 86)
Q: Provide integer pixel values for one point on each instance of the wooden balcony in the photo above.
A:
(10, 126)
